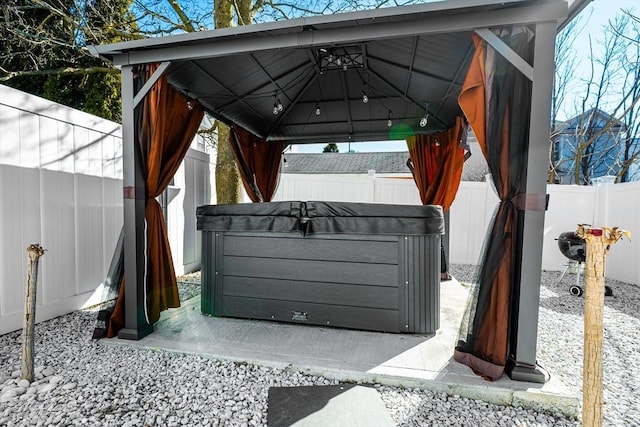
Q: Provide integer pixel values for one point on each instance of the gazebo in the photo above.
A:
(394, 73)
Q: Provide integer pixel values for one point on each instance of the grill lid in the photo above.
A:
(572, 246)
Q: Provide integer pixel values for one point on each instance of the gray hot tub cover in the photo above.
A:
(322, 218)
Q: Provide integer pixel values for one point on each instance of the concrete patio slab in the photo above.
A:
(423, 361)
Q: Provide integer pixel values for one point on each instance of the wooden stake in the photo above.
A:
(34, 252)
(598, 242)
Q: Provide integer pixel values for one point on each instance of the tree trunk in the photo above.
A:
(34, 252)
(593, 330)
(598, 242)
(227, 175)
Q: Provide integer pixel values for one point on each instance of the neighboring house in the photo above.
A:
(389, 163)
(633, 174)
(385, 164)
(593, 138)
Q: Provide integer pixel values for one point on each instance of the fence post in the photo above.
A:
(598, 242)
(34, 252)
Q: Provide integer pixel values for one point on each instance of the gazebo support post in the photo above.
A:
(136, 325)
(522, 366)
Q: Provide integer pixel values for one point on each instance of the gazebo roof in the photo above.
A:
(409, 61)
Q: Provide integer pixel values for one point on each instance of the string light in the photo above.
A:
(425, 119)
(317, 109)
(277, 106)
(365, 98)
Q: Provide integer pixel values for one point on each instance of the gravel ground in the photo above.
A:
(560, 341)
(83, 382)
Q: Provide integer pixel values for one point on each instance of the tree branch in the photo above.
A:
(8, 75)
(186, 22)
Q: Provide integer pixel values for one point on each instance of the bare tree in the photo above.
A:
(601, 139)
(631, 103)
(566, 61)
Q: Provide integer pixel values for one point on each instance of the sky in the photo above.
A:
(595, 17)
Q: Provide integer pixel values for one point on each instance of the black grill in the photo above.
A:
(572, 246)
(575, 248)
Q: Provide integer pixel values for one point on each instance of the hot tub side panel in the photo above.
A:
(420, 265)
(371, 282)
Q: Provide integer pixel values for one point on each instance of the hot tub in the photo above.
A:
(351, 265)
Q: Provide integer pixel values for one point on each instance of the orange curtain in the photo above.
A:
(437, 164)
(472, 97)
(166, 123)
(259, 163)
(496, 99)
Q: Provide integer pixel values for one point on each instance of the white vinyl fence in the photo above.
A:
(61, 186)
(604, 205)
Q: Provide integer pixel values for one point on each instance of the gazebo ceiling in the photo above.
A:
(395, 76)
(407, 62)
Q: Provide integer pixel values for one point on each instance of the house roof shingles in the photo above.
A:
(346, 163)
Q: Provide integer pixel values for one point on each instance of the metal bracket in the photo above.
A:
(149, 83)
(503, 49)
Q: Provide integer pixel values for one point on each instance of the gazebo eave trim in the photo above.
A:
(211, 44)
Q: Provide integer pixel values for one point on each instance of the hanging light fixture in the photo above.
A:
(189, 104)
(389, 122)
(425, 119)
(277, 105)
(365, 98)
(317, 109)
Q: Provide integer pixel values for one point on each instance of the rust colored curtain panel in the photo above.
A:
(166, 123)
(496, 99)
(259, 163)
(436, 164)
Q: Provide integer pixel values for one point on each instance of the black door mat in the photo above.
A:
(344, 405)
